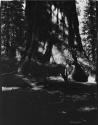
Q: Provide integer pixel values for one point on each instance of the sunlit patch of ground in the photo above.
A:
(91, 79)
(37, 88)
(87, 108)
(32, 82)
(35, 85)
(19, 88)
(58, 78)
(10, 88)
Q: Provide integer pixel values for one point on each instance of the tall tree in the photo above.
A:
(38, 17)
(38, 24)
(97, 42)
(90, 31)
(12, 22)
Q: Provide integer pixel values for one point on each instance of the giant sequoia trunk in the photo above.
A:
(79, 74)
(30, 12)
(69, 8)
(36, 25)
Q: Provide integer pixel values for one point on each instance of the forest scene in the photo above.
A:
(48, 62)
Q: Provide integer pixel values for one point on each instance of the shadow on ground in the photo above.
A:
(51, 104)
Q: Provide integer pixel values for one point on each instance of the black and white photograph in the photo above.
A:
(48, 62)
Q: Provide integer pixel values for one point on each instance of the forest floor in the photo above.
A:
(50, 104)
(26, 101)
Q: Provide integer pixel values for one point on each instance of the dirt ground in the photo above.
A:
(49, 103)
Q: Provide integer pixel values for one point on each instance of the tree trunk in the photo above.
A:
(48, 53)
(30, 13)
(7, 46)
(12, 52)
(97, 43)
(0, 46)
(97, 61)
(70, 12)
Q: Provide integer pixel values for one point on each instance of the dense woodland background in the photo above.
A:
(50, 32)
(40, 39)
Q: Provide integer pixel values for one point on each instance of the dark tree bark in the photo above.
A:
(0, 32)
(36, 26)
(79, 73)
(69, 8)
(7, 46)
(97, 43)
(30, 12)
(35, 20)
